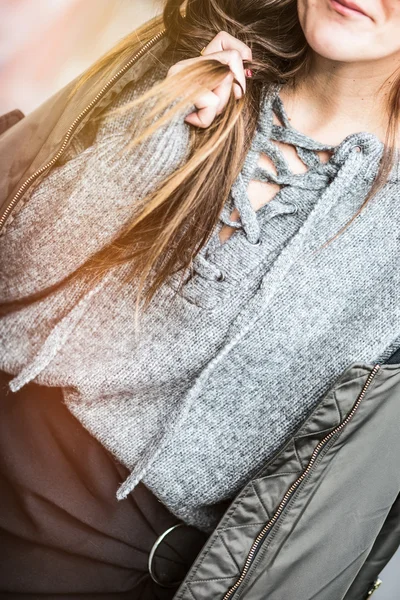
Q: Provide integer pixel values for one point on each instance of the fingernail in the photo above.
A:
(248, 73)
(238, 91)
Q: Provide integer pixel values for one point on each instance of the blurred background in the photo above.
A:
(44, 44)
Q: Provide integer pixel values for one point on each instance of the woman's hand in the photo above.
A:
(229, 51)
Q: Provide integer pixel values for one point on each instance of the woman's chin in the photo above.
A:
(335, 44)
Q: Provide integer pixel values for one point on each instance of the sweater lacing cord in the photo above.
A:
(317, 177)
(249, 221)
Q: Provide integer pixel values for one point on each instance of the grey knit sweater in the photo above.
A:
(208, 388)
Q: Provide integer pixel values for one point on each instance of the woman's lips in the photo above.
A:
(345, 7)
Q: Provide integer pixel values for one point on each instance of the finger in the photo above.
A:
(203, 118)
(207, 105)
(223, 91)
(225, 41)
(233, 59)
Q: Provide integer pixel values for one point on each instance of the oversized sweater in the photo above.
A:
(204, 391)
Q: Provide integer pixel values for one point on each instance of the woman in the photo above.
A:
(193, 295)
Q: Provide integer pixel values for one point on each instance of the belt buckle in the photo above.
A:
(152, 553)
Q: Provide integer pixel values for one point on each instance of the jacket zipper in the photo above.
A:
(89, 107)
(266, 530)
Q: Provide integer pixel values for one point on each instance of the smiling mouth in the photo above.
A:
(345, 7)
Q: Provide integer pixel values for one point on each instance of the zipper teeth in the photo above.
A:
(293, 487)
(104, 89)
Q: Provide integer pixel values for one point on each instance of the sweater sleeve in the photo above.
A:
(88, 198)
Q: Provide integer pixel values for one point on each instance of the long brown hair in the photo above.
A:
(176, 220)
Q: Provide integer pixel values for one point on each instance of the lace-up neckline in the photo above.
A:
(317, 177)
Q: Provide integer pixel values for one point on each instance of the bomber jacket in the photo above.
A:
(276, 537)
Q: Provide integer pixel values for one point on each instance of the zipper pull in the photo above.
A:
(377, 583)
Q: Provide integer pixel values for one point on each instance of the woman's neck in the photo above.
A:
(337, 99)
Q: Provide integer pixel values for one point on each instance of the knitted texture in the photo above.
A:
(197, 399)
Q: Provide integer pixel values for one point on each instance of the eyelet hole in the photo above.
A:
(220, 277)
(257, 243)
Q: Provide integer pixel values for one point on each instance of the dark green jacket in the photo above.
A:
(322, 518)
